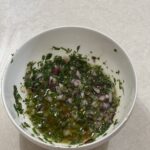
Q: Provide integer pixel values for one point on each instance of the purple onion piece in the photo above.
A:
(76, 82)
(56, 70)
(105, 106)
(52, 83)
(108, 118)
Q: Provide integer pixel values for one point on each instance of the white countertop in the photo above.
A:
(127, 22)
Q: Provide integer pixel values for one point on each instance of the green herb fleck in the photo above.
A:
(48, 56)
(67, 50)
(114, 81)
(35, 131)
(120, 85)
(104, 134)
(93, 58)
(116, 122)
(43, 57)
(33, 135)
(115, 50)
(104, 63)
(78, 47)
(40, 139)
(11, 60)
(56, 48)
(25, 125)
(18, 105)
(118, 72)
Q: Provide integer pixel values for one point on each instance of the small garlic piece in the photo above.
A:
(76, 82)
(78, 74)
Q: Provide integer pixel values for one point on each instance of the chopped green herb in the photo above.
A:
(104, 134)
(116, 122)
(67, 50)
(114, 81)
(118, 72)
(43, 57)
(12, 58)
(48, 56)
(11, 61)
(18, 99)
(33, 135)
(104, 63)
(56, 48)
(120, 85)
(40, 139)
(34, 130)
(25, 125)
(78, 47)
(93, 58)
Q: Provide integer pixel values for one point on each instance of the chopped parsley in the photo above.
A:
(116, 122)
(18, 99)
(118, 72)
(115, 50)
(78, 47)
(25, 125)
(12, 58)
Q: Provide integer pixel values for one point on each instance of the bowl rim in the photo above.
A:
(87, 145)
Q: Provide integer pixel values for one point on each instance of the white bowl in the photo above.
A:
(71, 37)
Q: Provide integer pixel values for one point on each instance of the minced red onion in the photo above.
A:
(76, 82)
(52, 82)
(105, 106)
(56, 70)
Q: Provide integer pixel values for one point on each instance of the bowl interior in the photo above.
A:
(71, 37)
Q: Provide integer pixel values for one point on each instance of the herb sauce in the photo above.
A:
(68, 100)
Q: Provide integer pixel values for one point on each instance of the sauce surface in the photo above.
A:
(68, 99)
